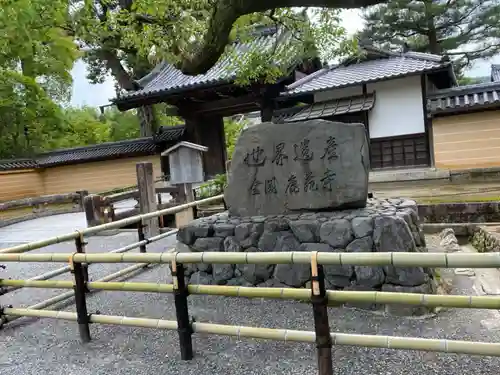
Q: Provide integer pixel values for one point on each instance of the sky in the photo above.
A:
(85, 93)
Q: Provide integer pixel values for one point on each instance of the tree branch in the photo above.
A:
(226, 12)
(114, 64)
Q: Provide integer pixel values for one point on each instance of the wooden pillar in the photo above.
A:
(209, 132)
(81, 202)
(268, 103)
(266, 111)
(429, 136)
(90, 211)
(183, 218)
(147, 198)
(97, 210)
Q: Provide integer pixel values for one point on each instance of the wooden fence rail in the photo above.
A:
(100, 228)
(134, 194)
(19, 210)
(41, 200)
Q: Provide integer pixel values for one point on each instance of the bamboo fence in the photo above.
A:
(99, 228)
(63, 270)
(397, 259)
(339, 296)
(285, 335)
(318, 296)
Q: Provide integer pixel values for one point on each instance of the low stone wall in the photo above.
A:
(480, 212)
(484, 240)
(384, 225)
(36, 215)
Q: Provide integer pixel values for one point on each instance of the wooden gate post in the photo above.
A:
(81, 202)
(147, 197)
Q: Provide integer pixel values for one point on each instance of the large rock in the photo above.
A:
(336, 233)
(392, 234)
(448, 240)
(311, 165)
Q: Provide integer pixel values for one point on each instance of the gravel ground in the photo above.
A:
(48, 347)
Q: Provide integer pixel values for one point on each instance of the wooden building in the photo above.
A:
(94, 168)
(204, 100)
(387, 92)
(466, 126)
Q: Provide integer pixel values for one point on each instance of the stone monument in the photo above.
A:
(304, 187)
(309, 166)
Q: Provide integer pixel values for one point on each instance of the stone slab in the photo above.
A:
(304, 166)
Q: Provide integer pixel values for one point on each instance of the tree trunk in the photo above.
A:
(146, 114)
(434, 46)
(148, 120)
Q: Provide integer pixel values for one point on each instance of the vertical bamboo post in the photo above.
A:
(80, 248)
(3, 317)
(141, 236)
(184, 327)
(320, 311)
(82, 316)
(159, 207)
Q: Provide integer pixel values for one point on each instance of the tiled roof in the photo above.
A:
(141, 146)
(11, 164)
(462, 98)
(103, 151)
(170, 133)
(328, 108)
(495, 72)
(165, 78)
(387, 65)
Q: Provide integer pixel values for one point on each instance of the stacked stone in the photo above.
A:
(383, 225)
(485, 240)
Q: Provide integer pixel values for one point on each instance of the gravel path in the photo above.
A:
(48, 347)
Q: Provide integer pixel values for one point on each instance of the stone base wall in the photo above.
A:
(464, 212)
(384, 225)
(484, 240)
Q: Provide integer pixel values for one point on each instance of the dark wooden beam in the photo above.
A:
(221, 105)
(429, 135)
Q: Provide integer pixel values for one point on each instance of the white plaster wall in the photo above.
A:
(338, 93)
(398, 108)
(251, 118)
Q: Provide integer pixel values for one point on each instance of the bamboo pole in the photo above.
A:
(67, 295)
(62, 270)
(371, 341)
(99, 228)
(430, 300)
(397, 259)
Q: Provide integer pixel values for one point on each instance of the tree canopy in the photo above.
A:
(126, 38)
(466, 30)
(199, 57)
(36, 57)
